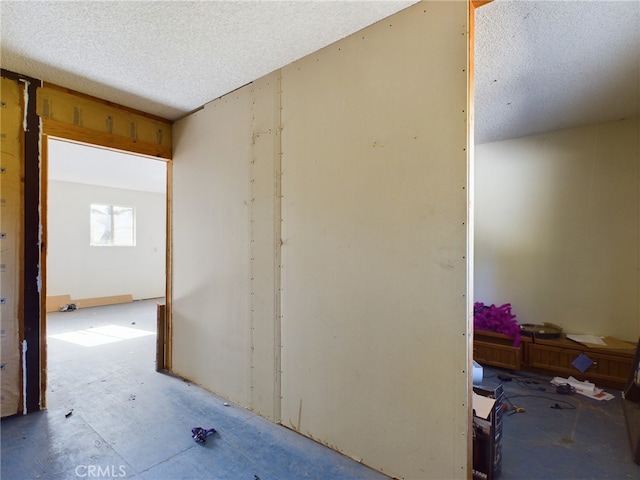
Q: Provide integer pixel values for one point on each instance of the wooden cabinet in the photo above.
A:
(496, 349)
(610, 368)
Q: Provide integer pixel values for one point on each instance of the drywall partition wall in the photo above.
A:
(225, 258)
(11, 201)
(558, 228)
(265, 246)
(80, 270)
(374, 317)
(371, 291)
(226, 264)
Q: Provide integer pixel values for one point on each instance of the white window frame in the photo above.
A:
(108, 233)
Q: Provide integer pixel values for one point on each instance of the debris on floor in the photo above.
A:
(199, 434)
(515, 409)
(69, 307)
(585, 388)
(68, 414)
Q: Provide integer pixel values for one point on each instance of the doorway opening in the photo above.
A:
(106, 224)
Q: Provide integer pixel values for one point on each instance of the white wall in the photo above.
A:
(82, 271)
(558, 228)
(360, 281)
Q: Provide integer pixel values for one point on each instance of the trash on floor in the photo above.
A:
(585, 388)
(69, 307)
(200, 434)
(515, 409)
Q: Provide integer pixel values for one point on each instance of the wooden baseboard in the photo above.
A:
(54, 303)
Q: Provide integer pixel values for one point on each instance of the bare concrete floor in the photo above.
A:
(561, 436)
(110, 414)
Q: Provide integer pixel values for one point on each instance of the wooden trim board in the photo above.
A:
(160, 340)
(54, 303)
(104, 139)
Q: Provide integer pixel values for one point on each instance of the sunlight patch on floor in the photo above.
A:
(92, 337)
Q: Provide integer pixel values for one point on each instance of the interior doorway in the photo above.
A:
(105, 265)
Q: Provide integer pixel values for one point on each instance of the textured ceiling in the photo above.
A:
(549, 65)
(171, 57)
(540, 65)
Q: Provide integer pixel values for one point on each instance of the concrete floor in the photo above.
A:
(584, 439)
(111, 415)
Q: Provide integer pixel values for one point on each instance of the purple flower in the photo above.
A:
(496, 319)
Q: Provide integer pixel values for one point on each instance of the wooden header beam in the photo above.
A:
(79, 117)
(479, 3)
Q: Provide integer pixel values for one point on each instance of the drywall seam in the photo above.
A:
(277, 206)
(264, 241)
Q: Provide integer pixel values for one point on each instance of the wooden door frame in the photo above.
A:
(55, 130)
(473, 5)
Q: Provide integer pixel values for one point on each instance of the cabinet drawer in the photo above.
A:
(557, 359)
(607, 370)
(497, 355)
(615, 368)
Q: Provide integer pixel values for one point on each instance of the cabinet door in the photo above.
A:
(556, 359)
(612, 367)
(497, 355)
(607, 370)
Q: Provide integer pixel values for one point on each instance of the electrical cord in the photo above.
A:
(532, 382)
(556, 405)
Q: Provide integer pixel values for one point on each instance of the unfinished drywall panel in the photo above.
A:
(226, 280)
(211, 246)
(558, 228)
(11, 201)
(264, 219)
(374, 318)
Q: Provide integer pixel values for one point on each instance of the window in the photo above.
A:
(112, 225)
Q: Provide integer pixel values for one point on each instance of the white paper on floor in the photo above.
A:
(585, 388)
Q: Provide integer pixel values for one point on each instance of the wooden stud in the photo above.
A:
(44, 301)
(76, 133)
(160, 341)
(168, 332)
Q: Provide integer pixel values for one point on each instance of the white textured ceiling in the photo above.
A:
(171, 57)
(540, 65)
(549, 65)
